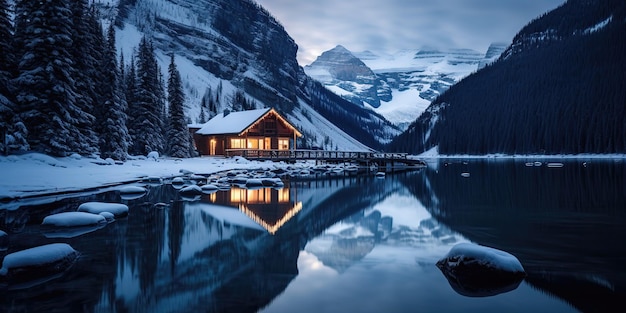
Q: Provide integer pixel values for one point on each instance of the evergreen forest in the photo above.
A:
(560, 88)
(64, 91)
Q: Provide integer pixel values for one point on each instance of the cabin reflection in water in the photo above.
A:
(269, 207)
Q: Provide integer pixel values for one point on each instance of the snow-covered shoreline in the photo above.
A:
(35, 174)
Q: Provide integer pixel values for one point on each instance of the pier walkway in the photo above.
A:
(379, 159)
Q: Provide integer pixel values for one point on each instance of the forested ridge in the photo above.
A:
(560, 88)
(64, 90)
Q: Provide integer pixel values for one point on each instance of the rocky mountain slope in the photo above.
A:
(224, 47)
(398, 86)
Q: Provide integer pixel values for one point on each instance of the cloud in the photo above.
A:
(388, 26)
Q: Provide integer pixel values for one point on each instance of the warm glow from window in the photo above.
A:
(237, 195)
(263, 195)
(237, 143)
(283, 144)
(256, 143)
(283, 195)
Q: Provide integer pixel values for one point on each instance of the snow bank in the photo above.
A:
(57, 175)
(73, 219)
(116, 209)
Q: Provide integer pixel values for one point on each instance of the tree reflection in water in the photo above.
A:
(185, 257)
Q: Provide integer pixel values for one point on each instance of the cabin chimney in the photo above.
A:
(226, 112)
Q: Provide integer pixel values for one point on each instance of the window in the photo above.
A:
(237, 143)
(283, 144)
(255, 143)
(212, 146)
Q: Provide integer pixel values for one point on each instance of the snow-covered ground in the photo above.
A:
(38, 174)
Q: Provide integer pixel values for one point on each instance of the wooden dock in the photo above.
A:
(379, 159)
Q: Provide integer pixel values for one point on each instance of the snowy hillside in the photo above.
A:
(222, 48)
(406, 81)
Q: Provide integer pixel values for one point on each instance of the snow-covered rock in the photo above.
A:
(36, 265)
(73, 219)
(132, 192)
(153, 155)
(108, 216)
(479, 271)
(254, 182)
(152, 180)
(209, 188)
(116, 209)
(191, 190)
(272, 182)
(178, 182)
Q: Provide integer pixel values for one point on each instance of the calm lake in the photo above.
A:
(352, 243)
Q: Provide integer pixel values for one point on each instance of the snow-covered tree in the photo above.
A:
(202, 116)
(7, 61)
(114, 135)
(46, 96)
(147, 106)
(87, 46)
(177, 132)
(12, 130)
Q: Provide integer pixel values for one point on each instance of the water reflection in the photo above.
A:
(353, 243)
(561, 222)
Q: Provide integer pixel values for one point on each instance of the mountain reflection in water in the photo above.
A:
(561, 222)
(353, 243)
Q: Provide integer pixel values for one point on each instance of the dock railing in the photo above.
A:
(324, 155)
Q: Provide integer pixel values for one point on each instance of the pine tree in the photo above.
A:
(202, 115)
(46, 96)
(114, 132)
(87, 46)
(177, 133)
(7, 61)
(130, 92)
(12, 130)
(147, 107)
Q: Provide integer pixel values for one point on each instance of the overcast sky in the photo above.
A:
(391, 25)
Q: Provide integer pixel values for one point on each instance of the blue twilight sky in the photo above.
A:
(390, 25)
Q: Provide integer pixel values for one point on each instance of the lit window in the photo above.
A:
(237, 143)
(283, 195)
(283, 144)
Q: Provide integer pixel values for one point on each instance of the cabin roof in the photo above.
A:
(237, 122)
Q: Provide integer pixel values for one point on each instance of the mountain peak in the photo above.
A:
(340, 48)
(338, 54)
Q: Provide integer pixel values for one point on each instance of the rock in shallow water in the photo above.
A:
(479, 271)
(36, 265)
(118, 209)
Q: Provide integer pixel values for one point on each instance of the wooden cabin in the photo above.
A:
(262, 129)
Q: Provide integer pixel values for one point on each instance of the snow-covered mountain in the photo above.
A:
(398, 86)
(222, 47)
(493, 53)
(557, 89)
